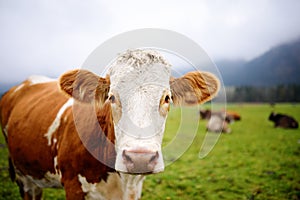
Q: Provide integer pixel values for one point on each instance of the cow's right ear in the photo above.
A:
(194, 88)
(84, 86)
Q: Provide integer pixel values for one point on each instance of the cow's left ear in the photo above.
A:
(84, 86)
(194, 88)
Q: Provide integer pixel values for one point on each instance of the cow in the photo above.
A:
(96, 137)
(283, 121)
(218, 121)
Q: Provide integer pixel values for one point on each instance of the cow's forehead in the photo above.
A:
(138, 68)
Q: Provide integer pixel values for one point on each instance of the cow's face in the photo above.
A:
(140, 90)
(140, 97)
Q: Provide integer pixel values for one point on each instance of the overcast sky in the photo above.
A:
(52, 36)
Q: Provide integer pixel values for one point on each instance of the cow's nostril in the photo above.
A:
(126, 157)
(154, 158)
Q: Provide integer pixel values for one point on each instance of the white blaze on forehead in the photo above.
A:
(138, 67)
(141, 105)
(140, 77)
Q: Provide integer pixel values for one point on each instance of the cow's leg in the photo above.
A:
(28, 190)
(35, 194)
(73, 189)
(226, 129)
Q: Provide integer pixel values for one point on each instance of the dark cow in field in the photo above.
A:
(218, 121)
(283, 121)
(96, 137)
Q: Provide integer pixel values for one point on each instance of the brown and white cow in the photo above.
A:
(96, 137)
(218, 121)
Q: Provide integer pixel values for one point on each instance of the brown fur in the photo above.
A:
(29, 113)
(194, 88)
(23, 110)
(233, 115)
(78, 82)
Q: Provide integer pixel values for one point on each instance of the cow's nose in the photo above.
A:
(140, 162)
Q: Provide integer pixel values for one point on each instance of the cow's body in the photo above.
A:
(49, 152)
(219, 121)
(69, 134)
(283, 121)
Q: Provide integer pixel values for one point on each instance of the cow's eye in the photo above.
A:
(112, 99)
(167, 99)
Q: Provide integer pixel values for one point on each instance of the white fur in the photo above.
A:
(117, 187)
(19, 87)
(139, 78)
(49, 181)
(57, 171)
(56, 123)
(29, 186)
(132, 185)
(5, 130)
(36, 79)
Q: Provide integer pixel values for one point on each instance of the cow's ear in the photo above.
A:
(84, 86)
(194, 88)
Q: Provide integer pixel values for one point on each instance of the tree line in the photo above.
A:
(270, 94)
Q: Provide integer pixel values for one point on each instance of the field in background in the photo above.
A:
(255, 161)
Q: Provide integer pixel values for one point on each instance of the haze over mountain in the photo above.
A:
(280, 65)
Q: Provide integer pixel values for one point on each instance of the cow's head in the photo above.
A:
(140, 89)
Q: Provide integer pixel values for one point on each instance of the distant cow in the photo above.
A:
(96, 137)
(283, 121)
(218, 121)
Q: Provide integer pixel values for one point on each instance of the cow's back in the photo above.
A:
(287, 122)
(27, 112)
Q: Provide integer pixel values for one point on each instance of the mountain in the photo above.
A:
(280, 65)
(229, 70)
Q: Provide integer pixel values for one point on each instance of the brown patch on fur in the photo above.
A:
(31, 110)
(74, 158)
(194, 88)
(233, 115)
(21, 110)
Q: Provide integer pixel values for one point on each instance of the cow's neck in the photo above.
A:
(132, 185)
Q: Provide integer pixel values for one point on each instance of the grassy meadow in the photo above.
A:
(255, 161)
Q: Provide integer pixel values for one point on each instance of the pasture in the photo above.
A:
(255, 161)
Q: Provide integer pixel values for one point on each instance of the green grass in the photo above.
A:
(255, 161)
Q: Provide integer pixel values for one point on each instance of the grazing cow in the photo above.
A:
(218, 121)
(96, 137)
(283, 121)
